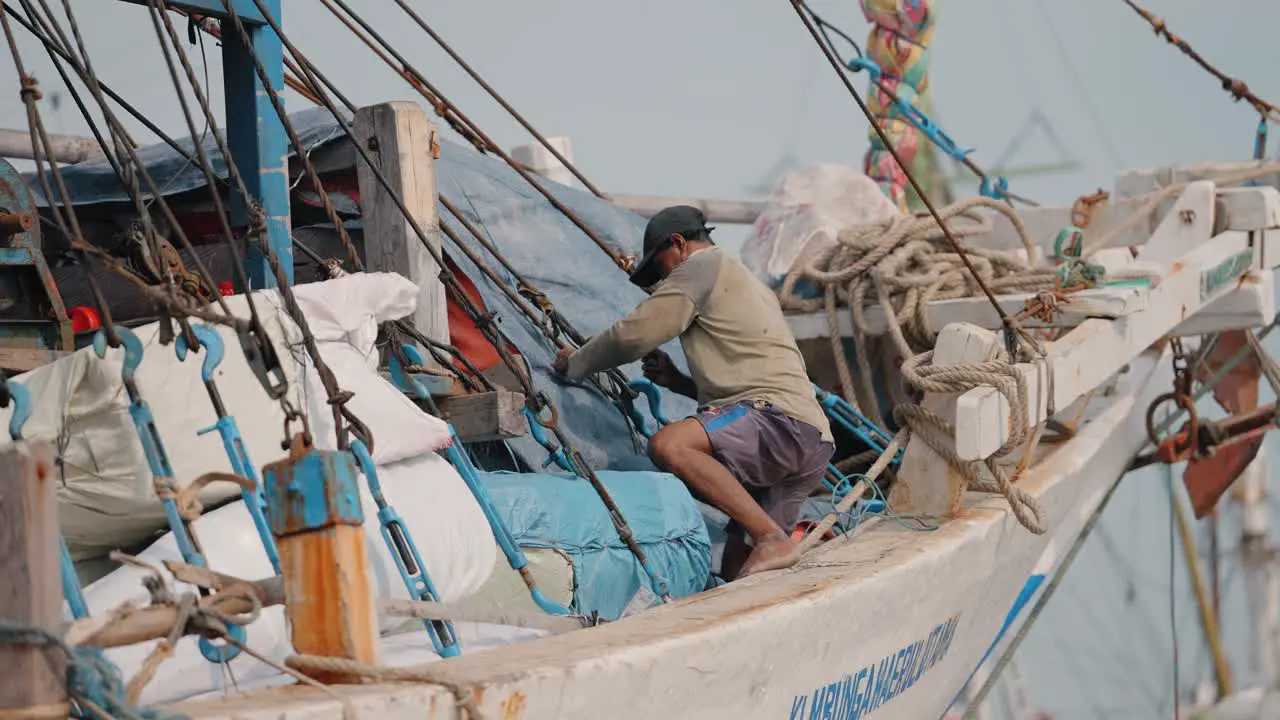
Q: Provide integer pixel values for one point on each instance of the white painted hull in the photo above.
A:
(913, 611)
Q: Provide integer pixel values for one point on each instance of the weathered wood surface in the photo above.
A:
(1085, 357)
(493, 415)
(1109, 302)
(31, 589)
(927, 485)
(315, 515)
(1240, 208)
(402, 141)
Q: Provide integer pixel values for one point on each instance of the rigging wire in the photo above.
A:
(134, 170)
(829, 49)
(1013, 329)
(1235, 86)
(499, 99)
(536, 401)
(447, 110)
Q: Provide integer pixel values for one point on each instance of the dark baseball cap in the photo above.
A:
(683, 220)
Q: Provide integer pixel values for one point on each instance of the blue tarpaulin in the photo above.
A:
(538, 241)
(562, 511)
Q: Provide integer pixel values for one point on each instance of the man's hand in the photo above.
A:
(561, 364)
(660, 370)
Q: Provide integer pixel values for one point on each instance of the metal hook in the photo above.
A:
(210, 343)
(132, 349)
(458, 458)
(20, 399)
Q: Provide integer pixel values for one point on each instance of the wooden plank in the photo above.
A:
(1251, 304)
(403, 141)
(1086, 356)
(19, 359)
(1243, 208)
(1102, 302)
(313, 503)
(31, 592)
(927, 484)
(486, 416)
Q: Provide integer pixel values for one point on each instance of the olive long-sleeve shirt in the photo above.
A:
(733, 333)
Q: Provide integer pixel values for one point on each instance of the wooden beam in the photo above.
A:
(403, 142)
(1242, 208)
(33, 684)
(928, 486)
(1097, 349)
(483, 416)
(1107, 302)
(313, 503)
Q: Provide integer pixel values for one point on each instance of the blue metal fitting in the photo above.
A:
(312, 491)
(653, 394)
(405, 552)
(996, 190)
(935, 134)
(467, 470)
(20, 399)
(856, 423)
(149, 435)
(864, 63)
(232, 443)
(210, 344)
(555, 453)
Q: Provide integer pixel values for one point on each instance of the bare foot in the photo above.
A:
(775, 551)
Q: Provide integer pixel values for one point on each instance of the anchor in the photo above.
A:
(19, 396)
(254, 501)
(158, 460)
(462, 463)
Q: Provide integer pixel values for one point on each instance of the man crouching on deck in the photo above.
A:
(760, 442)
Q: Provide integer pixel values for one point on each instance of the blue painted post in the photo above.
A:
(258, 142)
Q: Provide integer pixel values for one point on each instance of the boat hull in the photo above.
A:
(889, 625)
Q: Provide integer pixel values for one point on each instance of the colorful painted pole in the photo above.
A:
(899, 44)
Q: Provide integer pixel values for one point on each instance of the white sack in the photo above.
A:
(804, 214)
(106, 500)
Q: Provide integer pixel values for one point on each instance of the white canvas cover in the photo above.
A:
(106, 499)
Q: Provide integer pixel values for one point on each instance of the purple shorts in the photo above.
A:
(778, 459)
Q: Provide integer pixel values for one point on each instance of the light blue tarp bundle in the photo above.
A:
(544, 246)
(562, 511)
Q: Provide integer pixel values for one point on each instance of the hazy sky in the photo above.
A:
(703, 97)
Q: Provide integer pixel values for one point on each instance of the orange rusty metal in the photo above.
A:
(1207, 478)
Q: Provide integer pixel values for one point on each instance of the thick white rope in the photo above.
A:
(902, 265)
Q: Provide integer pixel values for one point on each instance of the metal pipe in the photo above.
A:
(66, 148)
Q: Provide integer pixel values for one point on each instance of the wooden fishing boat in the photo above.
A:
(1021, 416)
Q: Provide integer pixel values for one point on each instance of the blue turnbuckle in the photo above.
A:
(997, 189)
(864, 63)
(254, 501)
(403, 550)
(158, 460)
(653, 394)
(855, 422)
(458, 458)
(20, 400)
(555, 453)
(921, 121)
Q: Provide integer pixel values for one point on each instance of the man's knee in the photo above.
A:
(664, 447)
(670, 443)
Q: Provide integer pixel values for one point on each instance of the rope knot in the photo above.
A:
(1236, 87)
(30, 91)
(341, 397)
